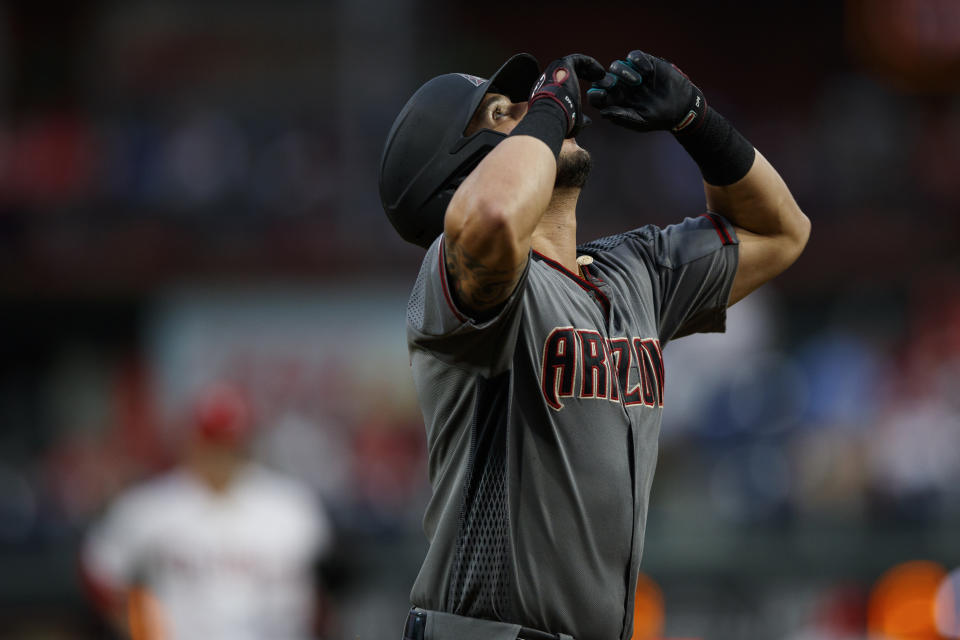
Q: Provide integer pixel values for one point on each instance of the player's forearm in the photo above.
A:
(490, 221)
(771, 227)
(761, 203)
(494, 212)
(492, 215)
(741, 185)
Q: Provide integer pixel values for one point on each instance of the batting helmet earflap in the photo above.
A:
(426, 155)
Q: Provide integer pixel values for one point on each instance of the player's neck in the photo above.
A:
(216, 469)
(556, 234)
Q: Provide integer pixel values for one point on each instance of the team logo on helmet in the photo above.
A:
(474, 80)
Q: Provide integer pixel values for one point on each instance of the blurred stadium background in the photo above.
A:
(188, 192)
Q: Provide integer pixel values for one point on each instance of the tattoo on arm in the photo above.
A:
(476, 286)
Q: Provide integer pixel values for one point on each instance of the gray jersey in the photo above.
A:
(542, 424)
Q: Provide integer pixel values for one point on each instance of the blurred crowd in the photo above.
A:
(857, 419)
(151, 148)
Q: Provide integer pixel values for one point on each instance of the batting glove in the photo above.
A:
(647, 93)
(566, 92)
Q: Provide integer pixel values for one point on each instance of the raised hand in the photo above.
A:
(647, 93)
(559, 83)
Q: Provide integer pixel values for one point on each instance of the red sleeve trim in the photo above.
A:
(583, 284)
(443, 282)
(719, 227)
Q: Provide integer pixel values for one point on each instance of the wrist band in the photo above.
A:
(722, 153)
(545, 120)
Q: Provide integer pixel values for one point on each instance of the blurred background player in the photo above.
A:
(218, 547)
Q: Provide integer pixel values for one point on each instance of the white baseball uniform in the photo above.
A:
(234, 565)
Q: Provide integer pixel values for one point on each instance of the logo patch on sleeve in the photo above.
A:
(474, 80)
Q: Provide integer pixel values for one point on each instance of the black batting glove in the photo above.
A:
(647, 93)
(566, 92)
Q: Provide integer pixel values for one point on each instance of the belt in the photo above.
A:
(415, 629)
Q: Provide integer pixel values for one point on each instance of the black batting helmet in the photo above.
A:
(426, 155)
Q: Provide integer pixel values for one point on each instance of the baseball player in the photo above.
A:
(537, 361)
(222, 548)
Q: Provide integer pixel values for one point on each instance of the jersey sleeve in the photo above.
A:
(436, 324)
(112, 548)
(690, 266)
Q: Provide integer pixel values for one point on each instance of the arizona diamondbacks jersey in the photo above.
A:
(542, 424)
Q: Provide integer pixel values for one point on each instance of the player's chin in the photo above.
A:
(573, 165)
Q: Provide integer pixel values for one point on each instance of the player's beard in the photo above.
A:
(573, 169)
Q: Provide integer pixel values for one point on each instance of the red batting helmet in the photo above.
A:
(222, 414)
